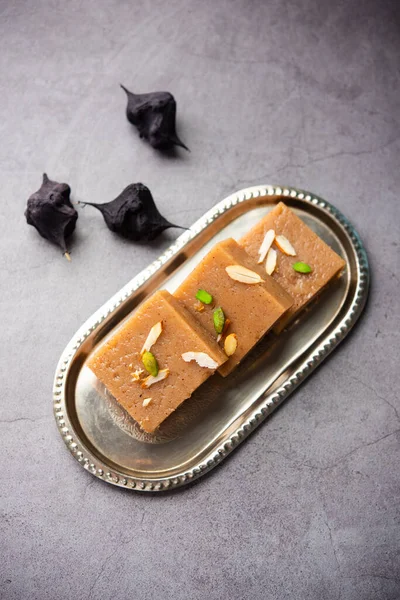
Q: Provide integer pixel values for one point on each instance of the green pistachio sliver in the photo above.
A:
(150, 363)
(204, 297)
(219, 320)
(302, 267)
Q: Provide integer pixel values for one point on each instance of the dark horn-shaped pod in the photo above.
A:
(154, 117)
(133, 214)
(51, 212)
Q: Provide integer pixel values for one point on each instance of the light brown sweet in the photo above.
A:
(252, 308)
(117, 363)
(309, 248)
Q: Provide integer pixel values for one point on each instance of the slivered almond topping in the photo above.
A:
(225, 329)
(146, 402)
(242, 274)
(230, 344)
(150, 380)
(270, 263)
(137, 374)
(153, 336)
(199, 307)
(202, 359)
(266, 245)
(284, 245)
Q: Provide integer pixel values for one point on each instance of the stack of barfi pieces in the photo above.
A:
(237, 293)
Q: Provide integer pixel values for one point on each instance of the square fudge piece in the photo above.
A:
(163, 330)
(252, 304)
(305, 251)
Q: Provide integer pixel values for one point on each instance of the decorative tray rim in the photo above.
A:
(270, 402)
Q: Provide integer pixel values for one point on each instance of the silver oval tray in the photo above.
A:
(222, 412)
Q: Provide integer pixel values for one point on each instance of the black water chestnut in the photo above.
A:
(50, 210)
(154, 117)
(133, 214)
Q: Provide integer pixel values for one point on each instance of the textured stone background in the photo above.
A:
(301, 93)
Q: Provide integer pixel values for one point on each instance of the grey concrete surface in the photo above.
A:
(301, 93)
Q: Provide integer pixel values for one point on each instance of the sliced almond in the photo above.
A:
(266, 245)
(153, 336)
(202, 359)
(137, 374)
(242, 274)
(230, 344)
(146, 402)
(270, 263)
(284, 245)
(150, 380)
(199, 307)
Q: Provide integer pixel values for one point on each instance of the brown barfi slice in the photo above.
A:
(118, 362)
(308, 248)
(252, 308)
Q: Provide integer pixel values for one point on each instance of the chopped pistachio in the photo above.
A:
(302, 267)
(219, 320)
(204, 297)
(150, 363)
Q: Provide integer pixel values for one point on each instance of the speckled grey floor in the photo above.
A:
(303, 93)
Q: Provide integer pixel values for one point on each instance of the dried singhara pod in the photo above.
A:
(50, 210)
(154, 117)
(133, 214)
